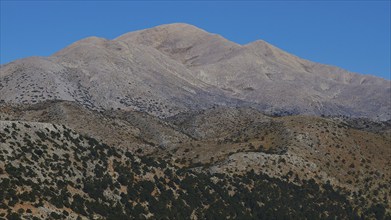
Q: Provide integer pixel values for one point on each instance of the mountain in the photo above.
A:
(261, 73)
(173, 122)
(175, 68)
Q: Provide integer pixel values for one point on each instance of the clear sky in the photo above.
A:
(354, 35)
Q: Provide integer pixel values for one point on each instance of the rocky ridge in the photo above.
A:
(175, 68)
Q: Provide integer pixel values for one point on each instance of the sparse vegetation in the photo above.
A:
(242, 175)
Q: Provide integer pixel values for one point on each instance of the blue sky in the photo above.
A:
(354, 35)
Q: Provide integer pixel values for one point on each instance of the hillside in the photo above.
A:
(295, 148)
(346, 161)
(133, 130)
(49, 171)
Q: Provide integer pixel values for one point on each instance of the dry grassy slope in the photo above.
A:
(295, 147)
(230, 140)
(350, 154)
(129, 130)
(49, 168)
(353, 159)
(217, 123)
(42, 170)
(50, 171)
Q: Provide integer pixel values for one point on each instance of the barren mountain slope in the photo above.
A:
(268, 75)
(103, 74)
(261, 73)
(173, 68)
(184, 43)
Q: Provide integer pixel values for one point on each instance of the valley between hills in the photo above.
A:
(173, 122)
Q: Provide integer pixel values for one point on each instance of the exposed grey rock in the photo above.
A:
(178, 67)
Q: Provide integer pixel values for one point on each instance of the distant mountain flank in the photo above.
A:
(175, 68)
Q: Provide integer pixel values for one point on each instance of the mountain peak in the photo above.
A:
(174, 28)
(185, 43)
(92, 39)
(179, 26)
(257, 43)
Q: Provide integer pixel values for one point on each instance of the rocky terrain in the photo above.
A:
(173, 122)
(175, 68)
(201, 163)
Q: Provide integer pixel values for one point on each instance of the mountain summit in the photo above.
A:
(174, 68)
